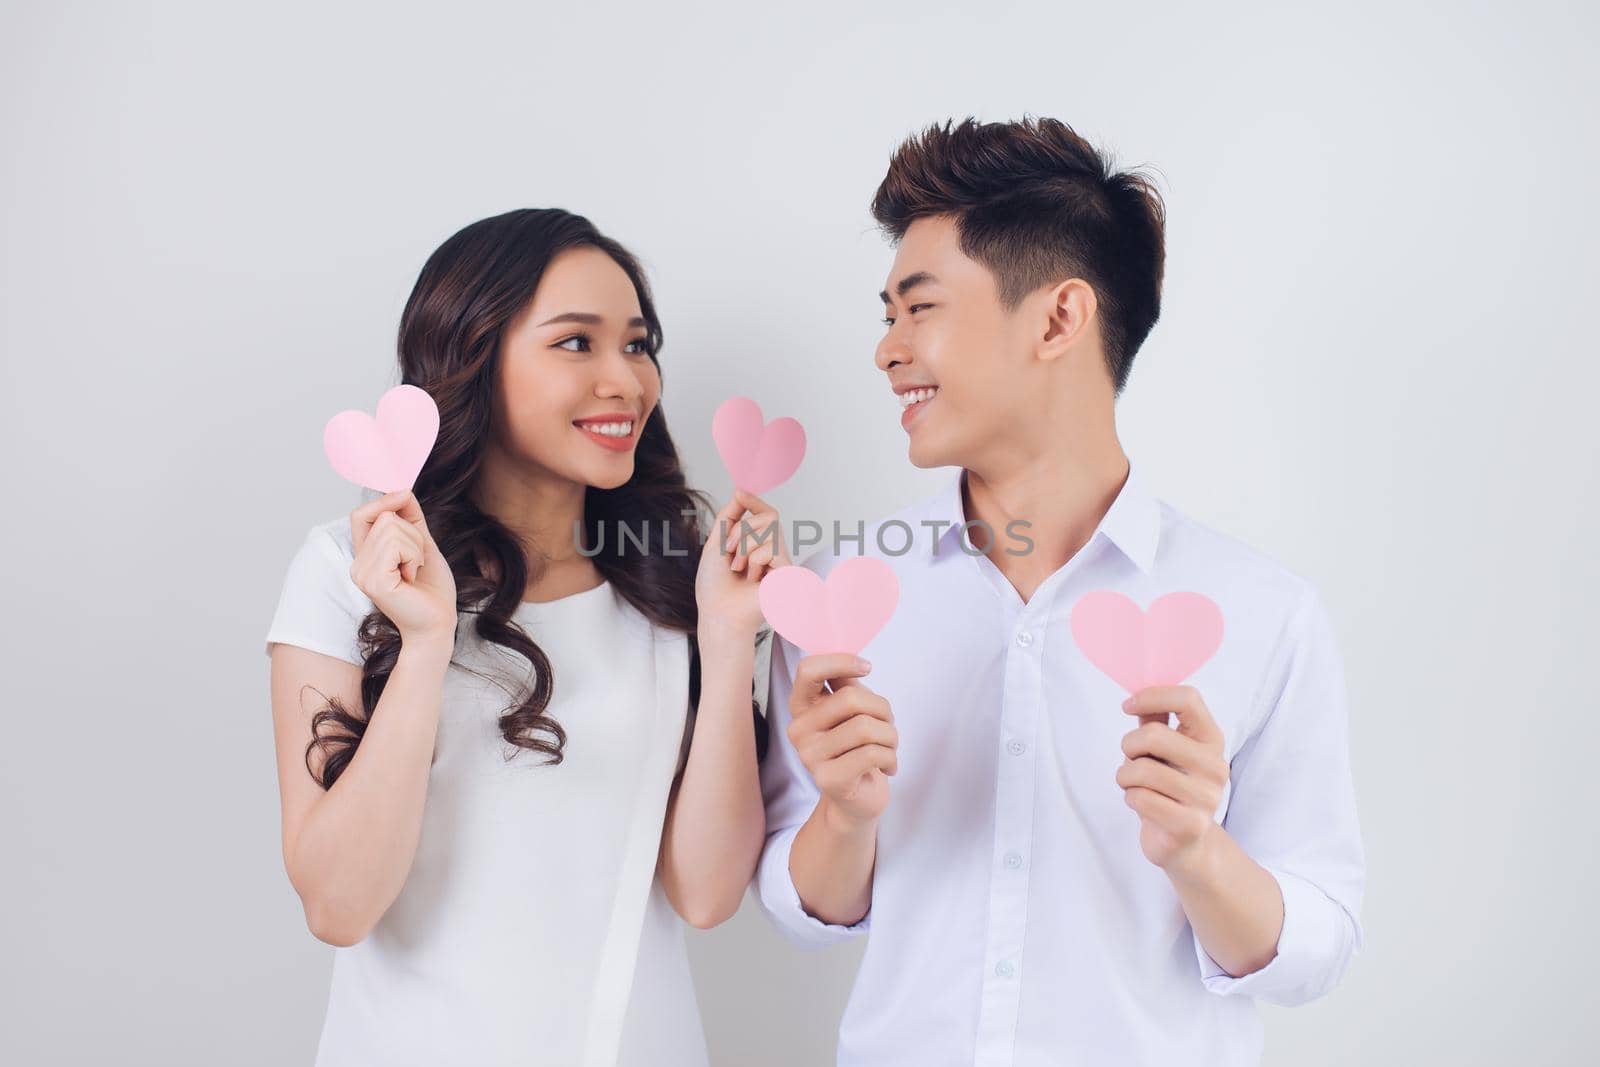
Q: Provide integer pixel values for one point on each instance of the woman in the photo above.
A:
(507, 754)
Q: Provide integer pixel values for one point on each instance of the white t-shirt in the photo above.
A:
(531, 928)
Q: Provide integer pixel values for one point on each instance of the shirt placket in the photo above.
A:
(1010, 863)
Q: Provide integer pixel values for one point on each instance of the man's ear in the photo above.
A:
(1069, 309)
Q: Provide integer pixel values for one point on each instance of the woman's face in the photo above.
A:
(576, 382)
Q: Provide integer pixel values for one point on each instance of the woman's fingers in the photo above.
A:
(725, 527)
(751, 501)
(393, 544)
(364, 515)
(760, 561)
(756, 536)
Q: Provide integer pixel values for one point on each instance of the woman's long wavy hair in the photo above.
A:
(469, 290)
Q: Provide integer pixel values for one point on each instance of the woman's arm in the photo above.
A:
(715, 823)
(348, 849)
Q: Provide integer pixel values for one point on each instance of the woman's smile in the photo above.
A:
(614, 432)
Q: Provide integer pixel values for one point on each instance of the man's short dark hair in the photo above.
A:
(1037, 204)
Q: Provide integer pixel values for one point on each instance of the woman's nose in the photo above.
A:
(620, 379)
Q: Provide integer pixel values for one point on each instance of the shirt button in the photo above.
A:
(1016, 747)
(1013, 859)
(1004, 969)
(1024, 639)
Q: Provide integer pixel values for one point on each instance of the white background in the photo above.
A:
(1374, 361)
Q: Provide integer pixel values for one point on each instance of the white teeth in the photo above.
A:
(916, 396)
(609, 429)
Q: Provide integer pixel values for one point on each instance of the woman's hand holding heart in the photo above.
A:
(745, 542)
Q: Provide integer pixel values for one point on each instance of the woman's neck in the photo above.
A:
(541, 508)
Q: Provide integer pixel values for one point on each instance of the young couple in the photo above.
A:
(509, 764)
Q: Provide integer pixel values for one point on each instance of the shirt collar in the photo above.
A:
(1132, 523)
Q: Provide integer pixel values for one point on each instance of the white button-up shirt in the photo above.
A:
(1014, 919)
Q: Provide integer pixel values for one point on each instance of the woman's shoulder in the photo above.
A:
(334, 536)
(320, 607)
(330, 544)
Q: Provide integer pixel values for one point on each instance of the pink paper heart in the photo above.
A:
(384, 453)
(759, 455)
(842, 614)
(1138, 649)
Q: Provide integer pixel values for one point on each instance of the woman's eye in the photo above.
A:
(583, 340)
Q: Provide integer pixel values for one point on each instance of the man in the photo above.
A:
(1050, 874)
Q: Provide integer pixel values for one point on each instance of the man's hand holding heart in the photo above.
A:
(1174, 777)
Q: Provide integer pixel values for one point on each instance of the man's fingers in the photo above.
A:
(831, 709)
(1161, 742)
(1194, 718)
(1168, 781)
(1157, 807)
(844, 774)
(812, 671)
(860, 728)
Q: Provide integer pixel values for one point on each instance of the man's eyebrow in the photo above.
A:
(588, 319)
(910, 281)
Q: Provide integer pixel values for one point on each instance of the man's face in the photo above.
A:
(954, 347)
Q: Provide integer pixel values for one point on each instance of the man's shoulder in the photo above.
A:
(1239, 567)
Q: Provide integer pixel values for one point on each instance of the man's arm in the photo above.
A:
(1273, 894)
(815, 875)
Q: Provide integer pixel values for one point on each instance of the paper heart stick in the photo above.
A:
(1138, 649)
(842, 614)
(759, 455)
(384, 453)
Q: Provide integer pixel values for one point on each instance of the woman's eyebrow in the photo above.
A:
(588, 319)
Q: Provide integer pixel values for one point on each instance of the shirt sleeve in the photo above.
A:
(320, 606)
(790, 796)
(1293, 811)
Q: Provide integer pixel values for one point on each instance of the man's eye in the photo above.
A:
(914, 309)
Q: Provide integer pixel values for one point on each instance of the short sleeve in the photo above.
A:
(320, 606)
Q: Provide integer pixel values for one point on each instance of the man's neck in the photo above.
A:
(1062, 493)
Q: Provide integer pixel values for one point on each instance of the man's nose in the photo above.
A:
(891, 351)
